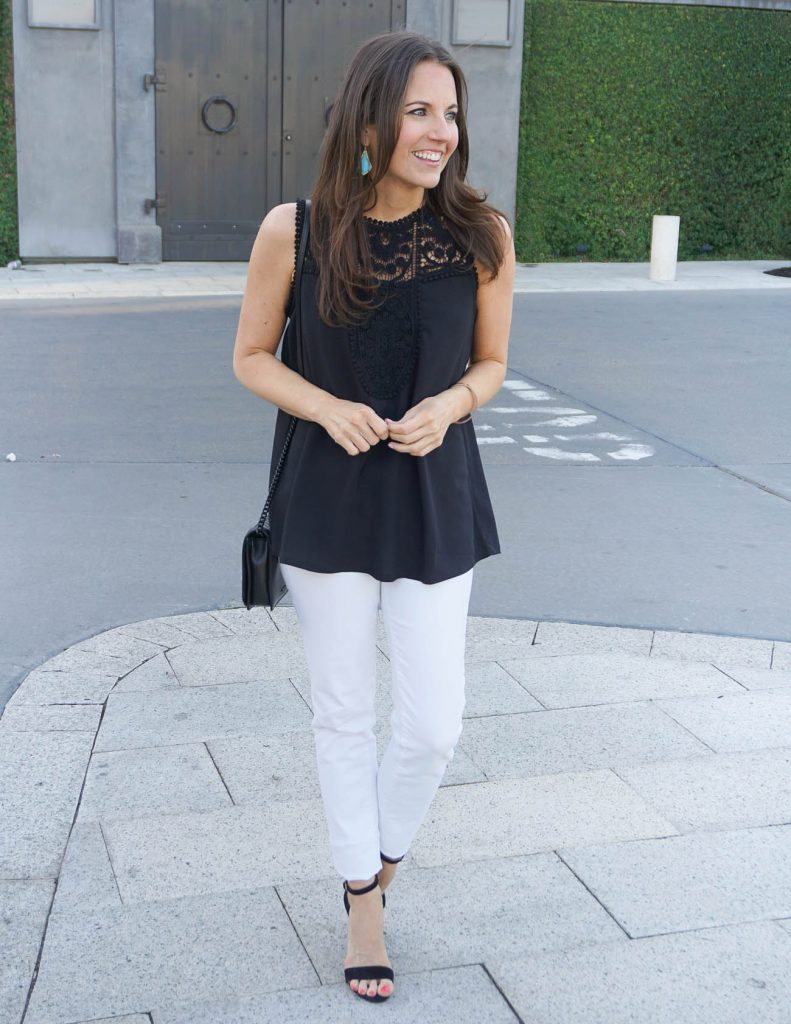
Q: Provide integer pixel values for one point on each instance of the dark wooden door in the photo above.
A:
(243, 90)
(320, 38)
(216, 125)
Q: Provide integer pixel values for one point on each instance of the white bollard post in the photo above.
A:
(664, 248)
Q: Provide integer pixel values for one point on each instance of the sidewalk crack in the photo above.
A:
(299, 937)
(45, 929)
(110, 862)
(217, 769)
(505, 998)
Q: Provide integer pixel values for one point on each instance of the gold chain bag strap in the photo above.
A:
(262, 579)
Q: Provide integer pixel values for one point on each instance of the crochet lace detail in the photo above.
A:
(410, 250)
(384, 349)
(422, 233)
(404, 252)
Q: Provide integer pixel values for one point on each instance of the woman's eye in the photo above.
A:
(418, 110)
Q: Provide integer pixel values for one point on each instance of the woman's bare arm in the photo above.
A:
(353, 425)
(262, 319)
(495, 301)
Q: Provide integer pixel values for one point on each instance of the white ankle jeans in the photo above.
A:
(371, 808)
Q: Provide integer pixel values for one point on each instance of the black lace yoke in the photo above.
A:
(414, 249)
(387, 513)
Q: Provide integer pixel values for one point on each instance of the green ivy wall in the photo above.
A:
(9, 236)
(630, 110)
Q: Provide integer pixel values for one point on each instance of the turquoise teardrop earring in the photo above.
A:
(365, 163)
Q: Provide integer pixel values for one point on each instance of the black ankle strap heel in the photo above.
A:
(358, 892)
(391, 860)
(366, 972)
(366, 888)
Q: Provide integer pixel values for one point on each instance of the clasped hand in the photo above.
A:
(356, 427)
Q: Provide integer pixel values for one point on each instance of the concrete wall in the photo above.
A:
(64, 99)
(494, 77)
(139, 236)
(80, 102)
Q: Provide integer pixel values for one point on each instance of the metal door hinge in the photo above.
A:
(156, 80)
(155, 204)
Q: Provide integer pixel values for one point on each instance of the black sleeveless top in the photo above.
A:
(384, 512)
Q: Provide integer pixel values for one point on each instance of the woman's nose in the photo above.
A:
(441, 130)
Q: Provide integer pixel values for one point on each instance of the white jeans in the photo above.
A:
(371, 808)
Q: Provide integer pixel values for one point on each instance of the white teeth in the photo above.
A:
(433, 157)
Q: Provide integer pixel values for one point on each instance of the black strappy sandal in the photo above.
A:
(366, 972)
(389, 860)
(346, 898)
(392, 860)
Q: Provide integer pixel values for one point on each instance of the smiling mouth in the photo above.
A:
(427, 160)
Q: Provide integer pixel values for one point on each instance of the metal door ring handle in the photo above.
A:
(210, 102)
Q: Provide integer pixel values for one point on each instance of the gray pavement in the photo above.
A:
(612, 839)
(611, 842)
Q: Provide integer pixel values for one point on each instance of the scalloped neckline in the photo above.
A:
(395, 223)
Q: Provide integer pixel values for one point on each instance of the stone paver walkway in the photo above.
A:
(611, 842)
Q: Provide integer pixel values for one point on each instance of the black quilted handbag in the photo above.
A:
(262, 579)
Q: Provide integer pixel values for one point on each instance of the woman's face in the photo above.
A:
(428, 127)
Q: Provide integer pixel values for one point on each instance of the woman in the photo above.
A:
(406, 301)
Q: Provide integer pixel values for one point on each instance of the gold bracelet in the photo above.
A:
(464, 384)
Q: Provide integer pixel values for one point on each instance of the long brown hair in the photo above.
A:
(372, 93)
